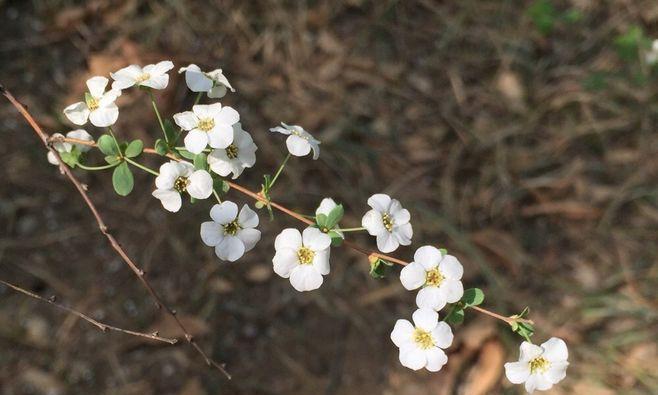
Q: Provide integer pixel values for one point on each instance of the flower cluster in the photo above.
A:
(217, 146)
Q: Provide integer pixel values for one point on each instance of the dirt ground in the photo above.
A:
(520, 135)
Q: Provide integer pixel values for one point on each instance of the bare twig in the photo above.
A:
(100, 325)
(103, 228)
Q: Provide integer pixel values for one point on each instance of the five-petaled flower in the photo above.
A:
(240, 154)
(208, 124)
(214, 83)
(299, 141)
(388, 221)
(63, 146)
(178, 177)
(304, 258)
(153, 76)
(439, 276)
(231, 233)
(98, 106)
(539, 367)
(421, 343)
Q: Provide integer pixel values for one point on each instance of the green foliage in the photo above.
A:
(336, 238)
(171, 132)
(379, 267)
(186, 154)
(122, 179)
(220, 185)
(473, 297)
(161, 147)
(629, 44)
(201, 161)
(543, 15)
(456, 315)
(107, 145)
(134, 149)
(522, 328)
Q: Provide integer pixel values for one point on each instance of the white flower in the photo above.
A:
(178, 177)
(240, 154)
(651, 56)
(388, 221)
(326, 206)
(300, 142)
(208, 124)
(438, 275)
(539, 367)
(63, 146)
(231, 234)
(98, 107)
(153, 76)
(421, 346)
(304, 258)
(213, 82)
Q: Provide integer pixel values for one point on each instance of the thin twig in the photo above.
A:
(100, 325)
(104, 230)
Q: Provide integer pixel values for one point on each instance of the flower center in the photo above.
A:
(423, 339)
(434, 277)
(232, 151)
(388, 222)
(299, 134)
(206, 124)
(231, 228)
(143, 77)
(539, 364)
(181, 184)
(305, 255)
(92, 103)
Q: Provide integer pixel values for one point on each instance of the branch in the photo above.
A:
(102, 326)
(104, 230)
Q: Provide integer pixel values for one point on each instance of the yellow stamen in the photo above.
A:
(388, 222)
(232, 151)
(305, 255)
(143, 77)
(181, 183)
(232, 228)
(423, 339)
(206, 124)
(434, 277)
(539, 364)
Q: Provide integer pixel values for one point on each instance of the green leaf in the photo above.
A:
(69, 158)
(443, 251)
(161, 147)
(321, 220)
(523, 329)
(473, 297)
(112, 159)
(456, 315)
(186, 154)
(122, 179)
(543, 15)
(201, 161)
(170, 131)
(336, 238)
(379, 268)
(134, 148)
(106, 145)
(259, 204)
(335, 215)
(628, 45)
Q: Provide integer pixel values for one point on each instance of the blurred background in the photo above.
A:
(520, 135)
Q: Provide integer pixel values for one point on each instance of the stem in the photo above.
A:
(214, 192)
(350, 229)
(198, 98)
(278, 172)
(93, 168)
(116, 143)
(146, 169)
(157, 114)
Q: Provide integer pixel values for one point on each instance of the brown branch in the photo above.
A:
(104, 230)
(100, 325)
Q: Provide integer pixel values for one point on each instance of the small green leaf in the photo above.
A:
(543, 15)
(473, 297)
(628, 45)
(321, 220)
(106, 145)
(69, 158)
(456, 315)
(336, 238)
(112, 159)
(259, 204)
(134, 148)
(170, 131)
(379, 268)
(335, 215)
(443, 251)
(161, 147)
(186, 154)
(122, 179)
(201, 161)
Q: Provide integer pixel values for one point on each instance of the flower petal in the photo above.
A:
(452, 289)
(80, 134)
(186, 120)
(431, 298)
(207, 111)
(412, 276)
(555, 350)
(412, 357)
(436, 358)
(217, 92)
(442, 335)
(321, 261)
(78, 113)
(537, 382)
(314, 239)
(221, 136)
(159, 68)
(104, 116)
(288, 238)
(403, 233)
(380, 202)
(316, 149)
(451, 268)
(517, 372)
(400, 215)
(372, 221)
(200, 186)
(247, 217)
(529, 351)
(96, 86)
(402, 333)
(230, 249)
(212, 233)
(171, 200)
(557, 371)
(196, 141)
(386, 242)
(156, 82)
(279, 129)
(426, 319)
(249, 237)
(325, 207)
(227, 115)
(428, 257)
(224, 213)
(305, 278)
(284, 261)
(297, 146)
(196, 80)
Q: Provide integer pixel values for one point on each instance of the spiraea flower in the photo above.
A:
(388, 221)
(539, 367)
(231, 233)
(208, 124)
(177, 178)
(300, 142)
(214, 83)
(153, 76)
(439, 276)
(98, 107)
(239, 155)
(63, 146)
(421, 343)
(304, 258)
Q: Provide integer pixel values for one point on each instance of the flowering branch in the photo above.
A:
(141, 274)
(100, 325)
